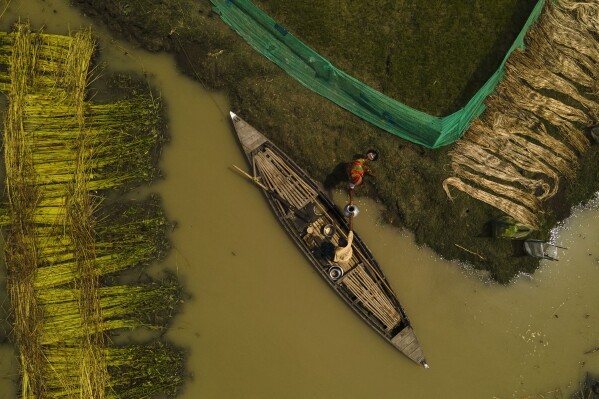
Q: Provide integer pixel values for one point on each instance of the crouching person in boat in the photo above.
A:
(344, 251)
(358, 168)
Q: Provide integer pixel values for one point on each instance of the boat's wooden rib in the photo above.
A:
(306, 212)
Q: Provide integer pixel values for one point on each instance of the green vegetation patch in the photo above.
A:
(430, 55)
(63, 156)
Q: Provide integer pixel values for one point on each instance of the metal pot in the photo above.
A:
(351, 210)
(335, 272)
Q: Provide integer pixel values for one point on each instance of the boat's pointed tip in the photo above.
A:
(426, 366)
(233, 114)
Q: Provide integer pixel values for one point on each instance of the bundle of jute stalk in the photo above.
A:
(528, 140)
(23, 194)
(123, 307)
(137, 371)
(126, 235)
(62, 153)
(533, 72)
(118, 160)
(586, 12)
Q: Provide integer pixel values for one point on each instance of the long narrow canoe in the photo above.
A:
(319, 228)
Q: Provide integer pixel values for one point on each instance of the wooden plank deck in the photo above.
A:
(280, 178)
(371, 296)
(407, 342)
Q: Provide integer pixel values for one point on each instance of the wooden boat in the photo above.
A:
(318, 227)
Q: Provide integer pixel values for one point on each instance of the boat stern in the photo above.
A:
(408, 344)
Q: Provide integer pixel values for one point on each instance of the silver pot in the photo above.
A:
(351, 210)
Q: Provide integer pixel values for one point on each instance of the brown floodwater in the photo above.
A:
(260, 323)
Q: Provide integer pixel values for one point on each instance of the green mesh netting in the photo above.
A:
(318, 74)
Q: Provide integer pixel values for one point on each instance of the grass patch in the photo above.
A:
(430, 55)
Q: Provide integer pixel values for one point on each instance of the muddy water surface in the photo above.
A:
(261, 324)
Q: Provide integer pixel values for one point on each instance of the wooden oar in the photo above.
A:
(252, 178)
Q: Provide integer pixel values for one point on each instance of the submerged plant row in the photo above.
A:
(63, 154)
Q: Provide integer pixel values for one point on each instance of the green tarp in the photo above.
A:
(318, 74)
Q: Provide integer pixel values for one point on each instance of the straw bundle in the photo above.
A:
(540, 77)
(585, 12)
(20, 253)
(574, 67)
(527, 125)
(484, 163)
(528, 200)
(516, 211)
(559, 156)
(508, 158)
(564, 29)
(515, 150)
(555, 112)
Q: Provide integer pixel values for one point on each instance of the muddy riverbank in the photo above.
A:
(437, 65)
